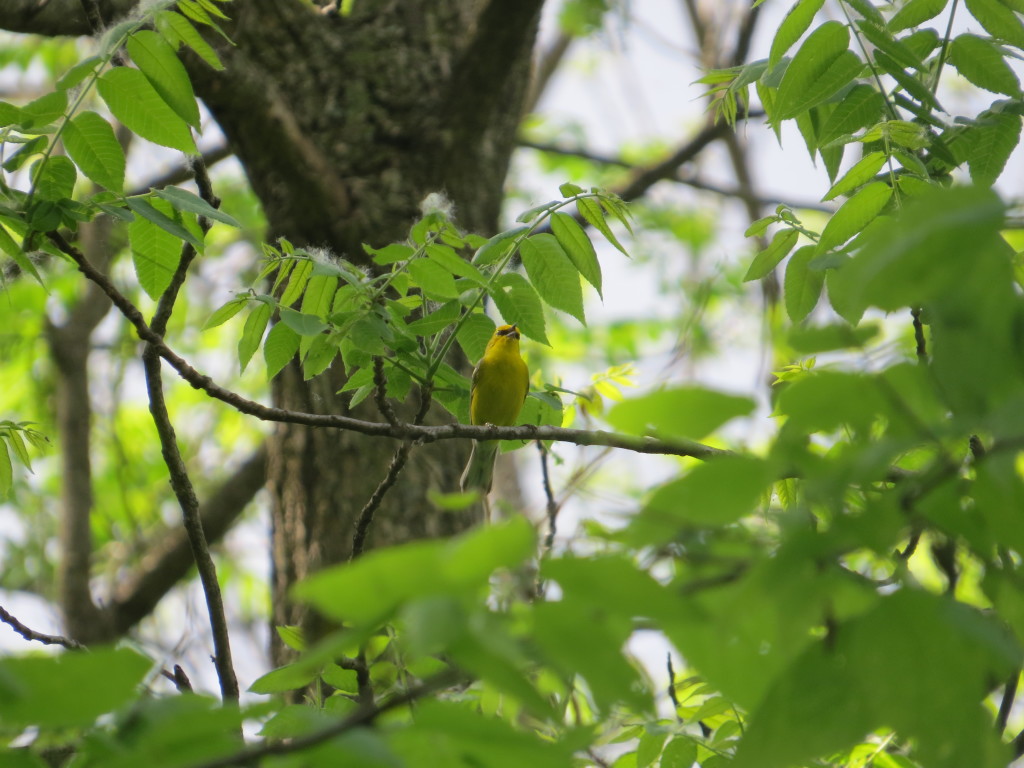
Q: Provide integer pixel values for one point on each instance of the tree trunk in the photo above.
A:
(344, 124)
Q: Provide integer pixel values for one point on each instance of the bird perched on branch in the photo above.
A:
(500, 383)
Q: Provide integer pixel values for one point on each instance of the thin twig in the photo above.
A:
(365, 518)
(672, 686)
(551, 505)
(39, 637)
(180, 481)
(1006, 704)
(919, 340)
(363, 716)
(179, 678)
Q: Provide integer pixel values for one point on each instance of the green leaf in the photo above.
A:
(303, 323)
(155, 253)
(552, 274)
(802, 286)
(909, 82)
(842, 688)
(435, 281)
(860, 107)
(592, 213)
(992, 140)
(436, 320)
(447, 257)
(165, 72)
(519, 303)
(184, 200)
(580, 642)
(998, 20)
(474, 334)
(681, 752)
(10, 114)
(44, 110)
(391, 253)
(533, 213)
(54, 178)
(70, 689)
(13, 249)
(175, 27)
(689, 412)
(252, 332)
(859, 174)
(899, 265)
(91, 143)
(577, 245)
(821, 67)
(915, 12)
(290, 677)
(882, 40)
(298, 279)
(133, 101)
(810, 340)
(225, 312)
(498, 246)
(159, 214)
(983, 65)
(78, 73)
(765, 261)
(826, 400)
(717, 492)
(854, 215)
(371, 588)
(792, 28)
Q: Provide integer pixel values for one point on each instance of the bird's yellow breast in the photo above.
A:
(500, 383)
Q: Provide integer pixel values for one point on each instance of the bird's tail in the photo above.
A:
(480, 467)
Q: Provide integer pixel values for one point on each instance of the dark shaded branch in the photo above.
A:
(69, 345)
(168, 562)
(1006, 704)
(363, 716)
(39, 637)
(52, 18)
(921, 346)
(646, 178)
(678, 178)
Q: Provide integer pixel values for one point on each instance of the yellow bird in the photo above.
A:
(500, 383)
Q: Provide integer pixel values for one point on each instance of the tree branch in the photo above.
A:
(423, 434)
(677, 178)
(365, 517)
(52, 18)
(39, 637)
